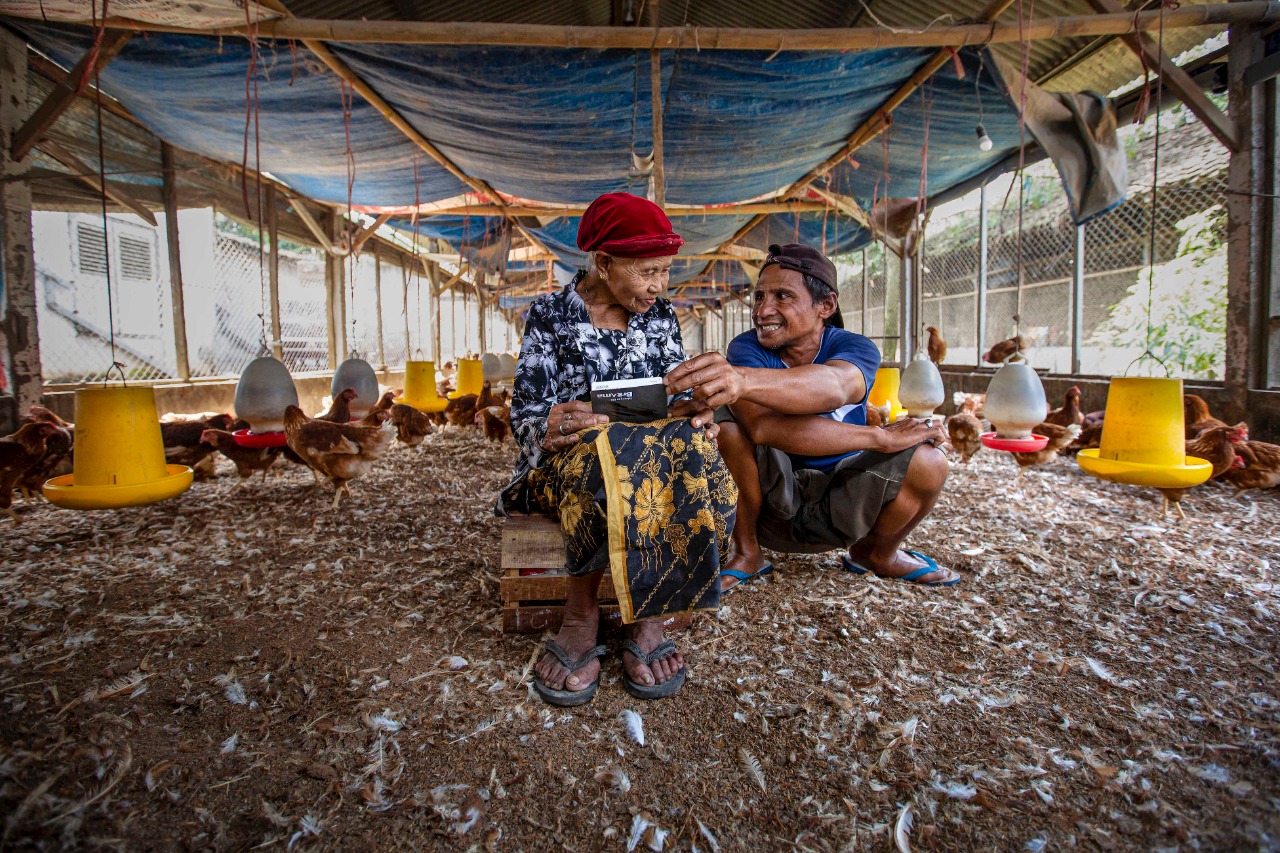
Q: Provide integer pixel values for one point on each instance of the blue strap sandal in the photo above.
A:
(930, 566)
(569, 698)
(744, 577)
(652, 691)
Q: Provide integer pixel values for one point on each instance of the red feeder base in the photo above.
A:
(249, 438)
(1030, 444)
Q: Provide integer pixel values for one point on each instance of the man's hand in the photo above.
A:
(712, 379)
(698, 414)
(908, 432)
(565, 420)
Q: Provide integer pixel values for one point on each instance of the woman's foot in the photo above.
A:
(577, 636)
(648, 635)
(900, 565)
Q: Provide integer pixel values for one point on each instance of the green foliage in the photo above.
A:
(1188, 297)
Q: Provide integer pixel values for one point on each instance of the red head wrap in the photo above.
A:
(627, 226)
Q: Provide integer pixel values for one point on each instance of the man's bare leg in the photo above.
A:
(878, 550)
(739, 454)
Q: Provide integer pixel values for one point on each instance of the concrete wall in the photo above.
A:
(193, 397)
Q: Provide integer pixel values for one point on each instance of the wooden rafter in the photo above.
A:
(64, 93)
(81, 170)
(746, 209)
(734, 38)
(365, 233)
(1177, 80)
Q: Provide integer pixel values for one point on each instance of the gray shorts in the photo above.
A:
(808, 511)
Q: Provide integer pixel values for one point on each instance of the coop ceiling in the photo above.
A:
(491, 126)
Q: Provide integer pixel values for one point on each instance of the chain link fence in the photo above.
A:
(1179, 314)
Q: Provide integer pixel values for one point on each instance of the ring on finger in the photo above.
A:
(563, 431)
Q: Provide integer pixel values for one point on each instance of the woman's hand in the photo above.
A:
(908, 432)
(564, 422)
(713, 380)
(700, 415)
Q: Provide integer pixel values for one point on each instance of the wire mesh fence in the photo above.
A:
(1162, 291)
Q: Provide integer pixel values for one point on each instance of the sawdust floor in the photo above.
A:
(242, 669)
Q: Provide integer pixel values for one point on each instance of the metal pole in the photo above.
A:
(377, 297)
(1077, 301)
(981, 307)
(273, 223)
(170, 191)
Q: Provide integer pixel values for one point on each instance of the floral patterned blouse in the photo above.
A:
(562, 354)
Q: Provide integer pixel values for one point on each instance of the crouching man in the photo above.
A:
(811, 475)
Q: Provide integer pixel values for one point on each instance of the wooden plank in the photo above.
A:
(514, 588)
(365, 233)
(273, 268)
(1177, 80)
(170, 190)
(536, 619)
(64, 93)
(738, 38)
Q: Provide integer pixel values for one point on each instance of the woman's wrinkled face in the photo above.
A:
(636, 283)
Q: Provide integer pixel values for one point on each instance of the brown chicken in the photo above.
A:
(1090, 436)
(1070, 412)
(999, 352)
(340, 409)
(965, 430)
(495, 421)
(1093, 419)
(877, 415)
(18, 454)
(461, 411)
(1215, 445)
(57, 455)
(961, 398)
(248, 460)
(1259, 466)
(937, 345)
(411, 425)
(182, 444)
(342, 452)
(1059, 438)
(383, 404)
(1196, 417)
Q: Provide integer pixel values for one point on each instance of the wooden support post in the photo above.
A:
(64, 93)
(368, 231)
(170, 191)
(273, 274)
(1176, 80)
(980, 308)
(20, 373)
(377, 301)
(1077, 301)
(480, 312)
(657, 179)
(433, 278)
(335, 303)
(1245, 219)
(906, 312)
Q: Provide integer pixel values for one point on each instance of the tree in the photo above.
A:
(1188, 303)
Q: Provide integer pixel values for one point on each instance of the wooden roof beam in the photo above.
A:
(82, 171)
(1177, 80)
(64, 93)
(734, 38)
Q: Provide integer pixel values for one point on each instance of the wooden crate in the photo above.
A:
(533, 603)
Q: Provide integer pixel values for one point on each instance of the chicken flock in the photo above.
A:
(333, 446)
(336, 448)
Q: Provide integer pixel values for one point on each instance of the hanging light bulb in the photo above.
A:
(984, 141)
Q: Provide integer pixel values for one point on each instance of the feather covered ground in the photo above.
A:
(248, 668)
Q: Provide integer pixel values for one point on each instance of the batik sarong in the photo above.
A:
(652, 503)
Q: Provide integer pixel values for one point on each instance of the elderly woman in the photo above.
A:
(652, 503)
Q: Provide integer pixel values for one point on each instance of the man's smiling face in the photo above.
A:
(783, 311)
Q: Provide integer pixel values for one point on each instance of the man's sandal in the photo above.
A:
(930, 566)
(652, 691)
(569, 698)
(743, 577)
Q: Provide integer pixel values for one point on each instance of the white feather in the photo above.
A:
(902, 829)
(706, 833)
(752, 765)
(634, 724)
(383, 722)
(229, 745)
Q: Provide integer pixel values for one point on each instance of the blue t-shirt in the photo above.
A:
(837, 345)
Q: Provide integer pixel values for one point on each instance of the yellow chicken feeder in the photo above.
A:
(1143, 437)
(470, 378)
(420, 387)
(885, 390)
(119, 457)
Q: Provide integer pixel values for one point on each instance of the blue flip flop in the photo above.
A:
(930, 566)
(743, 577)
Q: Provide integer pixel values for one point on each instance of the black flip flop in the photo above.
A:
(568, 698)
(652, 691)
